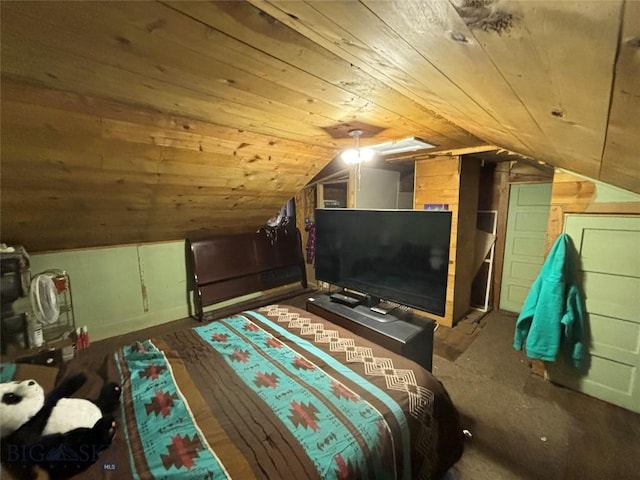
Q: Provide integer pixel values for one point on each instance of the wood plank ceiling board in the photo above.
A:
(63, 163)
(92, 177)
(395, 43)
(247, 71)
(558, 58)
(304, 19)
(85, 76)
(70, 60)
(136, 138)
(621, 158)
(98, 28)
(112, 115)
(149, 75)
(441, 37)
(224, 152)
(352, 31)
(133, 134)
(252, 26)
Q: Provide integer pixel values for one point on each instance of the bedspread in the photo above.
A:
(276, 393)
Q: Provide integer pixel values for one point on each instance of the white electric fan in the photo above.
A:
(41, 306)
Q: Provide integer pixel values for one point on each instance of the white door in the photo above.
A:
(527, 220)
(609, 248)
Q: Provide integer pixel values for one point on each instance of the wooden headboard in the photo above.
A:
(229, 266)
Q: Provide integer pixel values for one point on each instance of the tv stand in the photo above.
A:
(401, 332)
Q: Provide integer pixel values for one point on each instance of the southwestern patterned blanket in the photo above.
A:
(275, 393)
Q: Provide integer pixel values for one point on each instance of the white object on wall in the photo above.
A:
(377, 189)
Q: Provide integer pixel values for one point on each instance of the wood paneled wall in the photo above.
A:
(466, 244)
(576, 194)
(453, 181)
(437, 180)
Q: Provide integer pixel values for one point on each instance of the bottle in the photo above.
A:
(78, 339)
(36, 337)
(85, 337)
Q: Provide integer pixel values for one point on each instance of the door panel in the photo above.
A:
(612, 295)
(607, 378)
(614, 337)
(609, 248)
(598, 244)
(526, 271)
(516, 295)
(524, 242)
(532, 221)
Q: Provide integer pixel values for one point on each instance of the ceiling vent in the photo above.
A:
(410, 144)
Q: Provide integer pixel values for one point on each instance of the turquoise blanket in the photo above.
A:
(553, 314)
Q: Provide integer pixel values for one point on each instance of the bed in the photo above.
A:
(271, 392)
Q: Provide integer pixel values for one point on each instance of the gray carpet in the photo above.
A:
(526, 428)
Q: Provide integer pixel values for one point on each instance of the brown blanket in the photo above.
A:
(273, 393)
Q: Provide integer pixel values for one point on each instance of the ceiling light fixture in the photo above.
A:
(356, 155)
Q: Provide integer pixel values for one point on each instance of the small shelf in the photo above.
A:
(487, 222)
(57, 336)
(65, 326)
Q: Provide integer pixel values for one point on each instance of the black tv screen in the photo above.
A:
(397, 255)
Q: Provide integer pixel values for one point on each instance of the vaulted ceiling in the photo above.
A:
(146, 121)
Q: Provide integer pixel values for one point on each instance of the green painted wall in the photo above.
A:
(108, 284)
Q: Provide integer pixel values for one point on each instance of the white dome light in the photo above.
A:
(353, 155)
(357, 155)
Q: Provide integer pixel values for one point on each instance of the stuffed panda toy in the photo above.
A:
(62, 435)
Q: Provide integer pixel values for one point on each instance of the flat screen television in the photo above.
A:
(401, 256)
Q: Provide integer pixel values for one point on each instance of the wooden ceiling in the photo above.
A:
(147, 121)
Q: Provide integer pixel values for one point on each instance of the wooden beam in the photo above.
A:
(621, 156)
(420, 154)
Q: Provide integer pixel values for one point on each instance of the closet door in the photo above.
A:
(527, 220)
(609, 248)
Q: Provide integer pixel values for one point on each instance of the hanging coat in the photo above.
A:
(553, 315)
(311, 243)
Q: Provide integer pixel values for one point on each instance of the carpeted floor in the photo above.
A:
(526, 428)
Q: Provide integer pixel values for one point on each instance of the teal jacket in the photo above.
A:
(553, 314)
